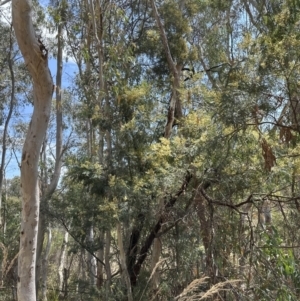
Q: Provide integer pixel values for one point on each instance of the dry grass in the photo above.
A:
(193, 291)
(152, 273)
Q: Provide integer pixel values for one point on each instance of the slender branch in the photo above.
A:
(164, 40)
(4, 2)
(11, 107)
(175, 109)
(80, 243)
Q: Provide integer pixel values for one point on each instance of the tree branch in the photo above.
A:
(175, 104)
(4, 2)
(153, 234)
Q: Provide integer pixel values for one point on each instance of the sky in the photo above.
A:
(69, 70)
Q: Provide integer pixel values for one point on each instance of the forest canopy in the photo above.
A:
(170, 169)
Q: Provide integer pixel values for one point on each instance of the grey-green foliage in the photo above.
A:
(122, 169)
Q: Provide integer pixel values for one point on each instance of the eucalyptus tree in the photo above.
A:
(36, 58)
(59, 12)
(186, 116)
(131, 126)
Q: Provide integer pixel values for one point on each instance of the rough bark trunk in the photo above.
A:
(123, 262)
(100, 278)
(132, 250)
(156, 251)
(173, 117)
(36, 59)
(107, 261)
(42, 220)
(295, 111)
(155, 230)
(92, 263)
(157, 247)
(82, 275)
(45, 265)
(205, 215)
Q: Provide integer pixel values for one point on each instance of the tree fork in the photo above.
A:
(153, 234)
(132, 250)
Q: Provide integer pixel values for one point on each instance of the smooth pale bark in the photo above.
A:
(36, 60)
(61, 264)
(92, 263)
(58, 158)
(4, 220)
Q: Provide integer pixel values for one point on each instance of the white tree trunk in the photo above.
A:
(58, 159)
(61, 263)
(36, 60)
